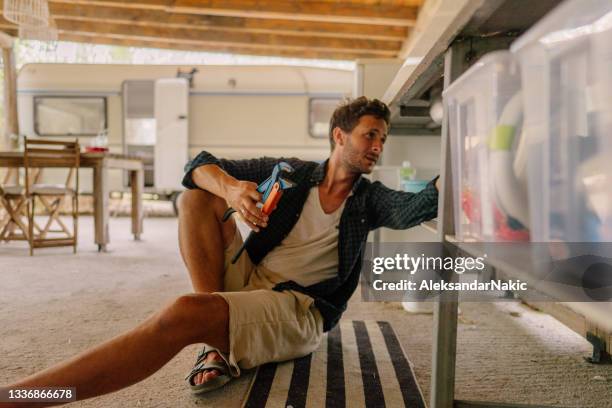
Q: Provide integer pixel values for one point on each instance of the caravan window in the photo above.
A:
(69, 115)
(320, 112)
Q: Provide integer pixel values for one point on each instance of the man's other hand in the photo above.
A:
(243, 197)
(438, 184)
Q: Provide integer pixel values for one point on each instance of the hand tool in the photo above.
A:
(272, 190)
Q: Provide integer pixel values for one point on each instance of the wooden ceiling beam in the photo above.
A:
(382, 13)
(93, 38)
(157, 18)
(229, 38)
(181, 35)
(214, 46)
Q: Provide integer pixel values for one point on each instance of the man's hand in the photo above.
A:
(243, 197)
(438, 184)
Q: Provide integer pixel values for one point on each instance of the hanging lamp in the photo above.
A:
(33, 13)
(42, 33)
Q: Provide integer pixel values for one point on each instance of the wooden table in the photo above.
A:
(101, 162)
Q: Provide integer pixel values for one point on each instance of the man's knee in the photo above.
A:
(195, 204)
(195, 317)
(197, 201)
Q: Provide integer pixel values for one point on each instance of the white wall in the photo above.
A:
(373, 76)
(423, 152)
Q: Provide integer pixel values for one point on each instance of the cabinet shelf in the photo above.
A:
(454, 34)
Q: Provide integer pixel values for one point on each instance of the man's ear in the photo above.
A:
(339, 136)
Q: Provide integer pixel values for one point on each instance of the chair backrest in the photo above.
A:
(40, 153)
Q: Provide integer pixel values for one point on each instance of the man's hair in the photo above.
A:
(347, 115)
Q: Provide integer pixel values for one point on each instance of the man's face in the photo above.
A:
(364, 145)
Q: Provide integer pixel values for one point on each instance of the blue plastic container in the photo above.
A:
(414, 186)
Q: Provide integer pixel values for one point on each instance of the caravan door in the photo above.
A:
(171, 146)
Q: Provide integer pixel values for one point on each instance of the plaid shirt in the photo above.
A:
(372, 205)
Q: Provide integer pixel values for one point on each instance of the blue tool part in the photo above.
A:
(280, 170)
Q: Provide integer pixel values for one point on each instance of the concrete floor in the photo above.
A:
(55, 304)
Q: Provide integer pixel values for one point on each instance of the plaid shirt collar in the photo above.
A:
(318, 175)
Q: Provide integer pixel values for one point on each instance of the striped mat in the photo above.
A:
(360, 364)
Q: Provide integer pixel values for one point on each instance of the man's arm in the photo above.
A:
(212, 178)
(255, 170)
(242, 196)
(233, 180)
(400, 210)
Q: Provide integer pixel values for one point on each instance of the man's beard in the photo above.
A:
(353, 161)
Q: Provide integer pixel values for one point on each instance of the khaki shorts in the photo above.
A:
(265, 325)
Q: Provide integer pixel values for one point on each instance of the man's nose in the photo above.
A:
(377, 146)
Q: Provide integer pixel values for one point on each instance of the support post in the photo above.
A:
(445, 310)
(137, 182)
(100, 187)
(11, 124)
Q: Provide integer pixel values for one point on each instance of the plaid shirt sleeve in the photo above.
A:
(400, 210)
(255, 170)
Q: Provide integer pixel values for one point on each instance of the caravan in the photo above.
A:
(167, 114)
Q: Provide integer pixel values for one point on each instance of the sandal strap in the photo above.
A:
(202, 354)
(202, 366)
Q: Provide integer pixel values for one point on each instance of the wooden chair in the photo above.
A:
(13, 202)
(51, 153)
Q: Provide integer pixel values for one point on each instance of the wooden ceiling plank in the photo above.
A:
(207, 43)
(303, 53)
(202, 22)
(289, 32)
(182, 34)
(154, 43)
(187, 35)
(410, 3)
(304, 10)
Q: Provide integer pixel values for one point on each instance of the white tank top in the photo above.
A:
(309, 254)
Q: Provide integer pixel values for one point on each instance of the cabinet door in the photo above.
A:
(171, 147)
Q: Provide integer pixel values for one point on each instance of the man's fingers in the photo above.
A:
(255, 195)
(251, 190)
(249, 220)
(261, 218)
(254, 215)
(255, 211)
(252, 226)
(249, 211)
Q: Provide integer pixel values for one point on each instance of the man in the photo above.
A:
(292, 283)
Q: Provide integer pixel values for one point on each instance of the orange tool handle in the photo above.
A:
(273, 198)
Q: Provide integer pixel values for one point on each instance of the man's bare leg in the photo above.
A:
(203, 238)
(138, 353)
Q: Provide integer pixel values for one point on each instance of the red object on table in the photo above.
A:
(95, 149)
